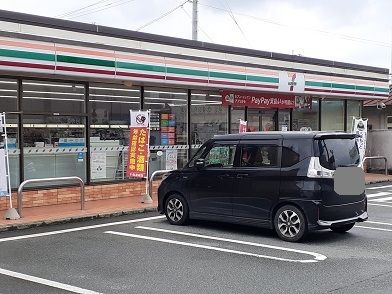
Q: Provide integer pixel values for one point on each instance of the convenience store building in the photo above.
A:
(67, 89)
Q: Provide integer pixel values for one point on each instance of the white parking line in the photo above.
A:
(317, 256)
(46, 282)
(379, 187)
(378, 223)
(384, 199)
(80, 229)
(378, 194)
(370, 228)
(384, 205)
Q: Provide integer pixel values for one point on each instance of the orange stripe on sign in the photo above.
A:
(89, 52)
(191, 64)
(41, 46)
(138, 57)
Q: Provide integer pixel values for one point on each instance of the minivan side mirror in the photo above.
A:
(200, 163)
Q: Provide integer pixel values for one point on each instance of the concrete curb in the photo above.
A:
(77, 218)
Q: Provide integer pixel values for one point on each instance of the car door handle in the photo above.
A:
(240, 176)
(224, 176)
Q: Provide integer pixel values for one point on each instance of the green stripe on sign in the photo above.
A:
(223, 75)
(365, 88)
(84, 60)
(343, 86)
(318, 84)
(189, 72)
(27, 55)
(262, 79)
(137, 66)
(384, 90)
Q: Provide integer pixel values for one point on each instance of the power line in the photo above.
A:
(235, 21)
(80, 9)
(342, 36)
(108, 6)
(162, 16)
(203, 31)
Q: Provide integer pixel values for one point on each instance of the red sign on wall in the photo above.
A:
(138, 152)
(257, 100)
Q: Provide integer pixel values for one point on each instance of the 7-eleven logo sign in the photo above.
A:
(291, 82)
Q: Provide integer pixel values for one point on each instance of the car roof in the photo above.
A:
(284, 135)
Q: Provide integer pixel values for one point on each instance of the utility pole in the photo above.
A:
(194, 20)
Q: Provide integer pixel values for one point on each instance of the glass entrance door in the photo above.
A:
(262, 120)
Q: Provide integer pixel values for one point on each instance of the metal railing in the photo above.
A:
(377, 157)
(21, 186)
(148, 197)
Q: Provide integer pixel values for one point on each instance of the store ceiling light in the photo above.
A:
(8, 82)
(54, 85)
(115, 101)
(52, 98)
(168, 99)
(114, 89)
(55, 93)
(164, 92)
(116, 96)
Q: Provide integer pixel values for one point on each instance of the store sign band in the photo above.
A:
(264, 100)
(138, 145)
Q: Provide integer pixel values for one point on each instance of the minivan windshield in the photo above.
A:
(338, 152)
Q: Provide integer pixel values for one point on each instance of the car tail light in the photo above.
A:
(315, 170)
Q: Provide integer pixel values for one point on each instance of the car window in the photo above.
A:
(335, 153)
(220, 155)
(259, 156)
(289, 157)
(198, 154)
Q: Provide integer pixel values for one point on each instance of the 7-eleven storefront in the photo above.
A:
(67, 89)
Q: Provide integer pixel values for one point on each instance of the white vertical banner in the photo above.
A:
(98, 165)
(359, 127)
(139, 119)
(243, 126)
(3, 174)
(171, 159)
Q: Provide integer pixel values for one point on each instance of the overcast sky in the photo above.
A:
(355, 31)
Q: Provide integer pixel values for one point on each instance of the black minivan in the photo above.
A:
(280, 180)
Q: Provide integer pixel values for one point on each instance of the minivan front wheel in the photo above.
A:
(290, 223)
(176, 210)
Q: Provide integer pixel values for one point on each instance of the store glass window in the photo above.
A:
(306, 118)
(236, 114)
(262, 120)
(8, 95)
(208, 117)
(54, 146)
(354, 109)
(53, 97)
(168, 123)
(332, 115)
(8, 103)
(110, 105)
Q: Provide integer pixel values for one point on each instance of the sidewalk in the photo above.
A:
(51, 214)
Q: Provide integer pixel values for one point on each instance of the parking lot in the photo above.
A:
(144, 254)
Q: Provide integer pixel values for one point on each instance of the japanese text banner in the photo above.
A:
(138, 152)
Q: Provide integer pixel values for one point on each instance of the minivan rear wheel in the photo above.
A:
(176, 210)
(290, 223)
(342, 228)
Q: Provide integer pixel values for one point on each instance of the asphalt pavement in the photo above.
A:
(143, 253)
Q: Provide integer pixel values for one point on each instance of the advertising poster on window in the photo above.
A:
(138, 144)
(243, 126)
(3, 174)
(359, 127)
(98, 165)
(171, 159)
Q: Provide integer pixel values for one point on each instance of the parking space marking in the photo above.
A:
(370, 228)
(384, 205)
(378, 194)
(317, 256)
(80, 229)
(379, 223)
(213, 248)
(384, 199)
(379, 187)
(46, 282)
